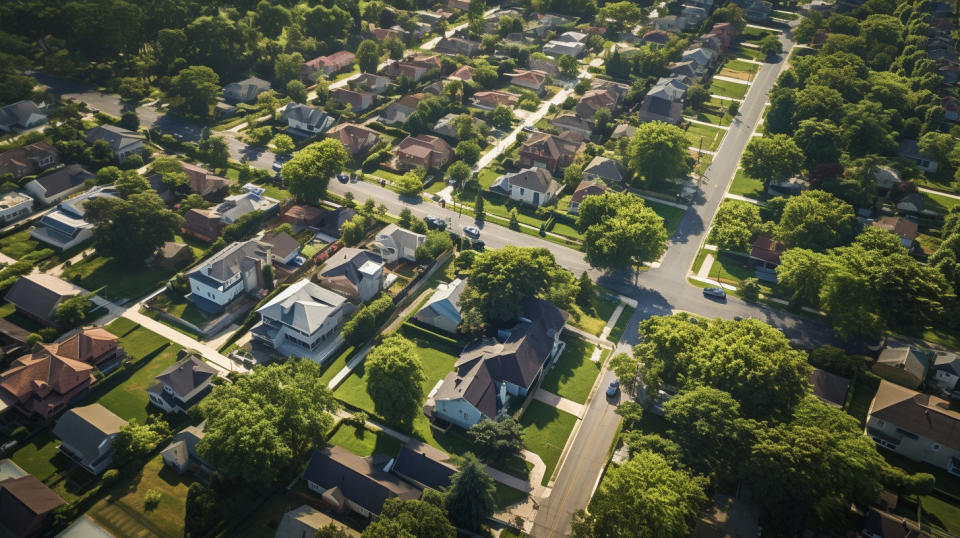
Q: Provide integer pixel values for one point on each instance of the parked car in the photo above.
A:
(435, 223)
(343, 178)
(614, 388)
(472, 231)
(478, 245)
(718, 293)
(277, 166)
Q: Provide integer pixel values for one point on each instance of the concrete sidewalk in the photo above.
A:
(563, 404)
(605, 333)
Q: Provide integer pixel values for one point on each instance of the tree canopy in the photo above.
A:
(308, 173)
(131, 228)
(395, 380)
(658, 151)
(620, 231)
(470, 499)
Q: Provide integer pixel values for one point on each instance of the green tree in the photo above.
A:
(572, 176)
(282, 144)
(352, 231)
(620, 231)
(501, 117)
(801, 274)
(499, 438)
(658, 151)
(588, 292)
(287, 67)
(368, 56)
(470, 500)
(214, 151)
(467, 151)
(129, 120)
(307, 174)
(194, 90)
(395, 380)
(734, 225)
(436, 243)
(771, 46)
(704, 416)
(285, 406)
(749, 289)
(820, 142)
(203, 511)
(297, 91)
(850, 305)
(129, 183)
(816, 220)
(568, 65)
(697, 96)
(627, 369)
(772, 158)
(131, 229)
(170, 170)
(71, 312)
(410, 184)
(362, 327)
(646, 498)
(135, 441)
(460, 172)
(424, 518)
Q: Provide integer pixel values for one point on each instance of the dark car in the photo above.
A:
(717, 293)
(613, 388)
(435, 223)
(343, 178)
(478, 245)
(472, 231)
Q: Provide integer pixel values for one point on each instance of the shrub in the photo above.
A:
(750, 289)
(110, 477)
(151, 499)
(19, 433)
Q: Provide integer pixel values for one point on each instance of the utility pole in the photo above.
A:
(699, 154)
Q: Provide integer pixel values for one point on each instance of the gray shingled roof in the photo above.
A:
(185, 376)
(358, 479)
(63, 179)
(117, 137)
(304, 306)
(84, 428)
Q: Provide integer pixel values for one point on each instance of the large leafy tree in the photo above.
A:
(470, 500)
(285, 407)
(424, 518)
(772, 158)
(658, 151)
(368, 56)
(820, 142)
(500, 438)
(308, 173)
(395, 380)
(501, 279)
(705, 416)
(194, 90)
(132, 228)
(735, 225)
(816, 220)
(646, 498)
(620, 231)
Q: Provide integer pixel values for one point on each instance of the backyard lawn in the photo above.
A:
(37, 455)
(726, 88)
(573, 374)
(330, 367)
(363, 442)
(506, 496)
(704, 136)
(935, 509)
(176, 305)
(745, 185)
(730, 268)
(939, 203)
(545, 432)
(594, 319)
(124, 513)
(19, 244)
(118, 279)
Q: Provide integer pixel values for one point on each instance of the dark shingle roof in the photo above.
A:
(33, 493)
(424, 464)
(358, 479)
(63, 179)
(185, 376)
(84, 428)
(39, 294)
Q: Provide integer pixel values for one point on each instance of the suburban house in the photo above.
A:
(442, 310)
(306, 118)
(358, 100)
(671, 23)
(767, 251)
(446, 126)
(399, 111)
(534, 186)
(455, 45)
(283, 246)
(464, 73)
(15, 205)
(910, 150)
(529, 79)
(830, 388)
(655, 38)
(302, 216)
(246, 90)
(381, 34)
(305, 521)
(56, 185)
(585, 189)
(703, 57)
(172, 255)
(570, 122)
(623, 130)
(202, 182)
(604, 169)
(594, 100)
(687, 70)
(756, 10)
(552, 152)
(692, 17)
(43, 383)
(29, 159)
(204, 224)
(25, 502)
(356, 273)
(368, 82)
(945, 369)
(86, 436)
(21, 115)
(181, 454)
(488, 100)
(122, 141)
(182, 385)
(903, 364)
(664, 102)
(65, 227)
(490, 371)
(394, 243)
(423, 151)
(235, 206)
(423, 466)
(917, 426)
(302, 318)
(557, 47)
(346, 481)
(37, 296)
(906, 230)
(356, 138)
(235, 270)
(328, 65)
(330, 223)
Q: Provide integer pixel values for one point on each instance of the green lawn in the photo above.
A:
(671, 215)
(745, 185)
(119, 280)
(330, 367)
(864, 388)
(38, 454)
(487, 176)
(617, 331)
(730, 268)
(754, 35)
(573, 374)
(939, 203)
(715, 112)
(704, 136)
(364, 442)
(726, 88)
(935, 508)
(594, 319)
(19, 244)
(176, 305)
(545, 432)
(506, 496)
(747, 52)
(787, 15)
(740, 65)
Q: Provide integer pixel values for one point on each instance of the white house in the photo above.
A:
(356, 273)
(65, 227)
(181, 386)
(443, 309)
(14, 206)
(302, 318)
(235, 270)
(21, 115)
(306, 118)
(396, 243)
(56, 185)
(534, 186)
(238, 205)
(945, 367)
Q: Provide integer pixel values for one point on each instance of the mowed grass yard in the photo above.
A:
(573, 375)
(745, 185)
(363, 441)
(117, 278)
(704, 136)
(594, 319)
(621, 325)
(671, 215)
(726, 88)
(545, 432)
(19, 244)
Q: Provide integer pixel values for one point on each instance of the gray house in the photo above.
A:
(605, 169)
(181, 454)
(123, 142)
(86, 436)
(58, 184)
(356, 273)
(234, 271)
(302, 318)
(395, 243)
(21, 115)
(182, 385)
(423, 466)
(346, 481)
(456, 45)
(307, 118)
(442, 311)
(246, 90)
(903, 364)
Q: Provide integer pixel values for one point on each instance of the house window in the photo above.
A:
(521, 191)
(935, 446)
